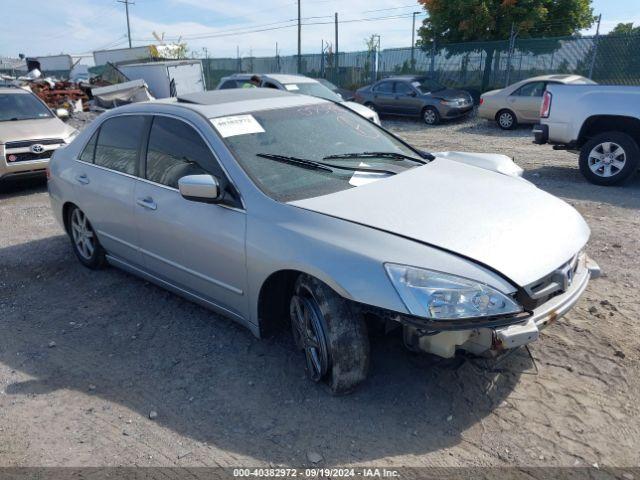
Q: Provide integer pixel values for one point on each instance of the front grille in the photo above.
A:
(28, 143)
(549, 286)
(26, 156)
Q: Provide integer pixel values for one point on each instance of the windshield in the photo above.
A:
(313, 89)
(426, 85)
(313, 133)
(21, 106)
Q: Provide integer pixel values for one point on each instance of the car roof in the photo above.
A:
(283, 78)
(563, 78)
(218, 103)
(407, 78)
(14, 90)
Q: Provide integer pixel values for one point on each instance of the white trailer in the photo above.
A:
(168, 78)
(119, 55)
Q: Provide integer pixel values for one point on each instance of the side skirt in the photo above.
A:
(127, 267)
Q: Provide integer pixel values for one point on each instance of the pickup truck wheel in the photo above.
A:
(333, 337)
(430, 116)
(609, 158)
(506, 120)
(84, 241)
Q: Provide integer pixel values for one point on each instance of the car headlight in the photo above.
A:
(450, 103)
(441, 296)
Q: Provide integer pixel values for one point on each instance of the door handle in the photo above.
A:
(82, 179)
(147, 202)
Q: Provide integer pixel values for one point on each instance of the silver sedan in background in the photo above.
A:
(273, 209)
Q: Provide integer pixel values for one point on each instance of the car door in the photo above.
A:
(526, 100)
(197, 247)
(383, 96)
(105, 181)
(406, 99)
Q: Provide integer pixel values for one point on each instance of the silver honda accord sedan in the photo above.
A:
(276, 209)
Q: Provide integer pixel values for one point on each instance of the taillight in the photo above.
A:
(545, 108)
(481, 101)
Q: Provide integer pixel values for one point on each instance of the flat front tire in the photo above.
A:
(609, 158)
(332, 336)
(84, 240)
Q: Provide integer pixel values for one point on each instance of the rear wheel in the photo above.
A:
(84, 240)
(506, 120)
(430, 116)
(333, 337)
(609, 158)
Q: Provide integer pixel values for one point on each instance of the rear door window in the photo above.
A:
(119, 143)
(533, 89)
(89, 149)
(176, 150)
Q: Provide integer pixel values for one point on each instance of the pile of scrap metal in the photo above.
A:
(60, 94)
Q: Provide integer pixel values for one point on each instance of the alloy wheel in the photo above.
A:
(607, 159)
(83, 236)
(430, 116)
(309, 334)
(505, 120)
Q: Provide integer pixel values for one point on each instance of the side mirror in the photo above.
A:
(200, 188)
(62, 113)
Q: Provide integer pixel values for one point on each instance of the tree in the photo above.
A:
(452, 21)
(625, 29)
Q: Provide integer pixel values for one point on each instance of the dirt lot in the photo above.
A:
(86, 357)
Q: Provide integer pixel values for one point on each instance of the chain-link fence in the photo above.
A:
(480, 66)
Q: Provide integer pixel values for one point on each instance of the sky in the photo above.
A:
(43, 27)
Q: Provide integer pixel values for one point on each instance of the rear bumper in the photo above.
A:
(540, 134)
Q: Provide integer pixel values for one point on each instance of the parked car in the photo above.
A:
(346, 94)
(600, 122)
(29, 133)
(297, 84)
(415, 96)
(520, 103)
(267, 206)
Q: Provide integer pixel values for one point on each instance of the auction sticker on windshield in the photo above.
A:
(237, 125)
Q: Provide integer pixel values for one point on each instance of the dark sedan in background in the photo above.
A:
(415, 96)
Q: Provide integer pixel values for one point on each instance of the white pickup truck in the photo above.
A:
(600, 122)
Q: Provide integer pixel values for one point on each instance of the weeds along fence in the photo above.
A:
(477, 66)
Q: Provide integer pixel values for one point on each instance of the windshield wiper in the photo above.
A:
(391, 155)
(328, 167)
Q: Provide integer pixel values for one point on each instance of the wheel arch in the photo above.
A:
(597, 124)
(65, 215)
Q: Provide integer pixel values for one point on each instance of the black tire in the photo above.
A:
(430, 116)
(371, 106)
(94, 257)
(341, 340)
(621, 162)
(506, 119)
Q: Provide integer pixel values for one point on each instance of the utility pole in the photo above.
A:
(238, 61)
(299, 38)
(413, 42)
(595, 47)
(336, 57)
(126, 7)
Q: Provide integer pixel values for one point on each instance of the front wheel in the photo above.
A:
(430, 116)
(333, 337)
(84, 241)
(609, 158)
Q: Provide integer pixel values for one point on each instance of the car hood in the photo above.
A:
(502, 222)
(359, 109)
(450, 94)
(33, 129)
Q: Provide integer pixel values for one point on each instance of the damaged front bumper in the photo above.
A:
(493, 336)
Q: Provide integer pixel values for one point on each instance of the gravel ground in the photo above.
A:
(103, 369)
